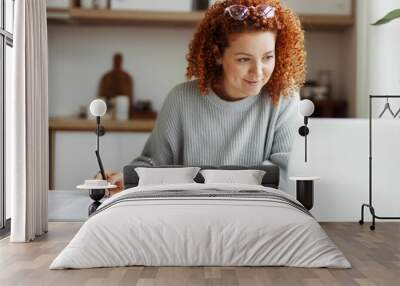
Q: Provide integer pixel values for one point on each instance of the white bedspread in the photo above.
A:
(182, 231)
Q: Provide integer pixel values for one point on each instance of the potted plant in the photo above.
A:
(389, 17)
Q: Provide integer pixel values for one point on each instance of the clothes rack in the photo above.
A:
(370, 204)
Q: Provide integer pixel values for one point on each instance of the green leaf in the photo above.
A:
(389, 17)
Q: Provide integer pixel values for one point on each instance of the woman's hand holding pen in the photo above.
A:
(114, 178)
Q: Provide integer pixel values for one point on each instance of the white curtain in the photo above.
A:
(27, 123)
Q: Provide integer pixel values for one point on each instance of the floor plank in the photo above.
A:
(374, 255)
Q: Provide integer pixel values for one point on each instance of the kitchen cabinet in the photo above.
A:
(73, 142)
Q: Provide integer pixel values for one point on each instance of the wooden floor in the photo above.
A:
(374, 255)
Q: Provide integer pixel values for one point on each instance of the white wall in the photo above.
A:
(338, 153)
(384, 47)
(378, 57)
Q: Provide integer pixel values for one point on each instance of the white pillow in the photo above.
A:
(248, 177)
(163, 176)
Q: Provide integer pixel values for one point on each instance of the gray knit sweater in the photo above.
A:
(192, 129)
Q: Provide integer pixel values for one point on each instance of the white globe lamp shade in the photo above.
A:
(306, 107)
(98, 107)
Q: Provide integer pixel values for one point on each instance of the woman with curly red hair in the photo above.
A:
(226, 20)
(248, 59)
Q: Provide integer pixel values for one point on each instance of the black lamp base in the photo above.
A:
(93, 207)
(305, 193)
(96, 195)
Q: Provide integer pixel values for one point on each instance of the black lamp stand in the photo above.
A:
(304, 186)
(97, 194)
(304, 131)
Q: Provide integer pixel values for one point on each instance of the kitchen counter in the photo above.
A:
(78, 124)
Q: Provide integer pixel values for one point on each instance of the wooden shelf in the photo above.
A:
(316, 22)
(136, 17)
(114, 17)
(55, 15)
(77, 124)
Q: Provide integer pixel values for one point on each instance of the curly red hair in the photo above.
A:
(212, 38)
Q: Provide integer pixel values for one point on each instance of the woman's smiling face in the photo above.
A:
(247, 63)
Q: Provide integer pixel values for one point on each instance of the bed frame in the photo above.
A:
(270, 179)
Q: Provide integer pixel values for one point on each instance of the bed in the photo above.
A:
(201, 224)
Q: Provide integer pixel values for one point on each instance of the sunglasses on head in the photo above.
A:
(241, 12)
